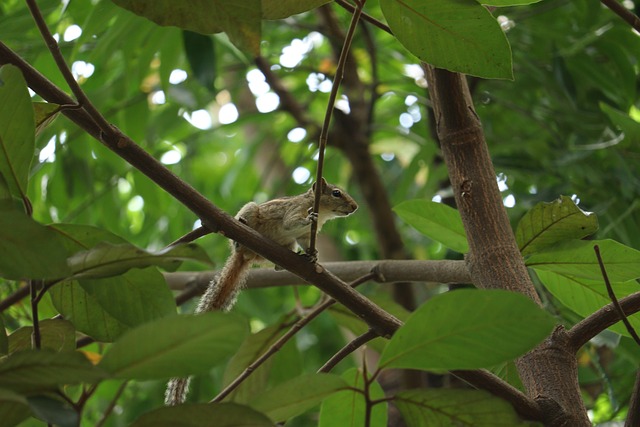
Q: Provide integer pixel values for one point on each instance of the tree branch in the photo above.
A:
(212, 217)
(352, 346)
(623, 13)
(591, 326)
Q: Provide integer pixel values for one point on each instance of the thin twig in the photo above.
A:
(324, 131)
(190, 236)
(52, 44)
(112, 404)
(614, 300)
(35, 335)
(365, 17)
(348, 349)
(282, 340)
(623, 13)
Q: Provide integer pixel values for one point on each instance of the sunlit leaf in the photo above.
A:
(439, 222)
(459, 36)
(297, 395)
(280, 9)
(175, 346)
(45, 114)
(585, 296)
(239, 20)
(17, 130)
(550, 223)
(577, 258)
(467, 329)
(201, 414)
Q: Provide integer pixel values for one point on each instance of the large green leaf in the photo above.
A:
(55, 334)
(240, 20)
(105, 308)
(442, 407)
(200, 414)
(17, 130)
(280, 9)
(298, 395)
(108, 259)
(550, 223)
(40, 370)
(54, 411)
(13, 408)
(175, 346)
(85, 312)
(467, 329)
(459, 36)
(347, 408)
(438, 221)
(577, 258)
(29, 250)
(585, 296)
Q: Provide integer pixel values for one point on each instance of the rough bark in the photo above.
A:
(549, 372)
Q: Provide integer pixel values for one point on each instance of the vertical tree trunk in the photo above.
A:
(549, 372)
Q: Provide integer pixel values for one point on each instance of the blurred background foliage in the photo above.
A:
(568, 124)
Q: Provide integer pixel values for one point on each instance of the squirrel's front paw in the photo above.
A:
(311, 256)
(312, 217)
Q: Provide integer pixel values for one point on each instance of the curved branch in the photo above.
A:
(591, 326)
(212, 217)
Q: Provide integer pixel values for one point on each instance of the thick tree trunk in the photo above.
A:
(549, 372)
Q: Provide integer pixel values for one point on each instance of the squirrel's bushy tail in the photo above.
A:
(219, 296)
(223, 295)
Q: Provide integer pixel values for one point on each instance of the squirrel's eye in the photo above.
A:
(336, 193)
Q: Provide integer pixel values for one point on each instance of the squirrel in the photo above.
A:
(285, 220)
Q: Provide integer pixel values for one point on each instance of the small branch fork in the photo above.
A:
(324, 131)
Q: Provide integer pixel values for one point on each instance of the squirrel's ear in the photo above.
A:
(324, 184)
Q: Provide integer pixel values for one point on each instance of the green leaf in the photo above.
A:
(550, 223)
(347, 408)
(459, 36)
(239, 20)
(347, 319)
(201, 414)
(175, 346)
(40, 370)
(13, 408)
(17, 130)
(298, 395)
(85, 312)
(445, 407)
(105, 308)
(29, 250)
(437, 221)
(202, 58)
(252, 348)
(502, 3)
(45, 114)
(625, 122)
(577, 258)
(467, 329)
(107, 259)
(280, 9)
(54, 411)
(585, 296)
(55, 334)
